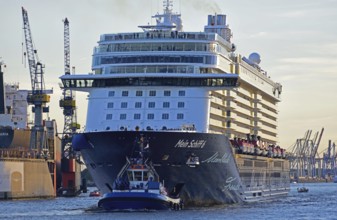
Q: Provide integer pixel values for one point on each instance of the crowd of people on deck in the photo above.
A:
(253, 145)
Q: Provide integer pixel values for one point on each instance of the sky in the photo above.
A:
(296, 39)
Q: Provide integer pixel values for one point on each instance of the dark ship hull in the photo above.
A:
(214, 179)
(6, 136)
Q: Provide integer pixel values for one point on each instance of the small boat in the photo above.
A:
(95, 193)
(302, 189)
(137, 186)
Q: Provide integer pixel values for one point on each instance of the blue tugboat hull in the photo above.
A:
(137, 201)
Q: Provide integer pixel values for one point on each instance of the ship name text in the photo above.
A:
(190, 144)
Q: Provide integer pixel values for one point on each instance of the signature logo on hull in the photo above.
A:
(231, 184)
(190, 144)
(216, 159)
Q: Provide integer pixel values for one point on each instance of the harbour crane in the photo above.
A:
(71, 176)
(38, 96)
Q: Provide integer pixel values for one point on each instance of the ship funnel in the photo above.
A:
(2, 91)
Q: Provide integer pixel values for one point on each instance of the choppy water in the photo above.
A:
(319, 203)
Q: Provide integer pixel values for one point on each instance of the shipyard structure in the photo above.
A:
(25, 171)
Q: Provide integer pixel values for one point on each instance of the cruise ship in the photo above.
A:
(204, 115)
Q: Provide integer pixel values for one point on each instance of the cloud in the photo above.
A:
(294, 14)
(308, 60)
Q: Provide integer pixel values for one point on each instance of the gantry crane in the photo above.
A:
(38, 96)
(71, 176)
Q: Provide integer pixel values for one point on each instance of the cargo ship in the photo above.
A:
(24, 172)
(206, 115)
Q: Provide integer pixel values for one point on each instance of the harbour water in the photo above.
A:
(319, 203)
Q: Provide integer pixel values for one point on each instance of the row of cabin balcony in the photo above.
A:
(157, 46)
(156, 69)
(165, 35)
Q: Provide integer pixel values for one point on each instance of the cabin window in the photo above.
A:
(180, 116)
(108, 116)
(165, 116)
(181, 93)
(167, 93)
(136, 116)
(125, 93)
(150, 116)
(111, 93)
(139, 93)
(152, 104)
(124, 105)
(166, 105)
(122, 116)
(138, 105)
(181, 104)
(110, 104)
(152, 93)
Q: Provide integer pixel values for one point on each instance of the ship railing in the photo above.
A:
(158, 35)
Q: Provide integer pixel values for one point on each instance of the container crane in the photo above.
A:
(70, 166)
(38, 96)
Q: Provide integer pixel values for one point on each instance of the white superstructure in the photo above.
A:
(166, 79)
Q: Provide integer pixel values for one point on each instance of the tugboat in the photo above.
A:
(137, 187)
